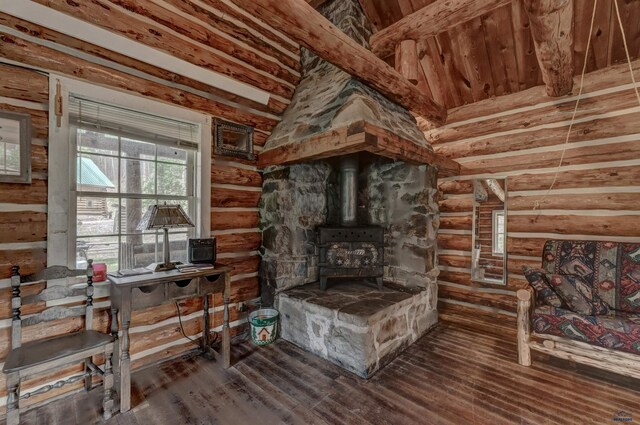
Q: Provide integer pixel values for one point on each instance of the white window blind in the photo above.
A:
(95, 116)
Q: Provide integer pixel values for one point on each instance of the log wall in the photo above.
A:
(215, 35)
(521, 136)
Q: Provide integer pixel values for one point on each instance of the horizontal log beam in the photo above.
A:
(456, 205)
(232, 198)
(14, 80)
(357, 137)
(477, 319)
(298, 20)
(275, 105)
(29, 53)
(454, 242)
(623, 225)
(23, 226)
(552, 30)
(574, 155)
(239, 242)
(223, 220)
(222, 174)
(578, 202)
(429, 21)
(470, 295)
(612, 76)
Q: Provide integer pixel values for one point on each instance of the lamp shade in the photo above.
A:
(164, 217)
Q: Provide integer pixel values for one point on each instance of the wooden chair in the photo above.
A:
(46, 354)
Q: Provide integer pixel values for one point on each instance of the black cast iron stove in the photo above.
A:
(349, 250)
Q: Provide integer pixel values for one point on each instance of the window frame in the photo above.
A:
(62, 208)
(494, 227)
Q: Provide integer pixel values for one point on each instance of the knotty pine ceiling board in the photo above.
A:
(494, 55)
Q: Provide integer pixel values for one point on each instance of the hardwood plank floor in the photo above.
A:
(451, 376)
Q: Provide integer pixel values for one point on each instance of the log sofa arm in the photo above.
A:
(524, 325)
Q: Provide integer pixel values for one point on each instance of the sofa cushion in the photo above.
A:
(576, 294)
(611, 268)
(544, 294)
(617, 330)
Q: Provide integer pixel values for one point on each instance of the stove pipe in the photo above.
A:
(348, 190)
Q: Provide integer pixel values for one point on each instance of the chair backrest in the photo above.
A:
(611, 268)
(49, 293)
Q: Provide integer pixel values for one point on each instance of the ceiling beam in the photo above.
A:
(298, 20)
(407, 60)
(431, 20)
(552, 30)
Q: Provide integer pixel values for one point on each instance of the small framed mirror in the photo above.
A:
(15, 147)
(233, 139)
(489, 253)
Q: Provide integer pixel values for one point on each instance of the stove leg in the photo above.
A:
(323, 283)
(379, 282)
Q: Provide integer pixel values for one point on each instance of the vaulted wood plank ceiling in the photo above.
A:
(494, 54)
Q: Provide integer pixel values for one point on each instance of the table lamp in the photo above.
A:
(164, 217)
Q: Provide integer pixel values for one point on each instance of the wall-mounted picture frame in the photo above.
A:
(15, 147)
(231, 139)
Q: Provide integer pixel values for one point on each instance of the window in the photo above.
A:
(15, 147)
(119, 161)
(498, 232)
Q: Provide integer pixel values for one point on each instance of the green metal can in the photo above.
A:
(264, 325)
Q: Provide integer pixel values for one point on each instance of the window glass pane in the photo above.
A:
(178, 242)
(93, 142)
(137, 176)
(138, 150)
(172, 179)
(12, 159)
(132, 212)
(139, 250)
(169, 154)
(100, 249)
(184, 203)
(126, 170)
(97, 216)
(97, 173)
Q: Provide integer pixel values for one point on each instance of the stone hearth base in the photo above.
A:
(353, 324)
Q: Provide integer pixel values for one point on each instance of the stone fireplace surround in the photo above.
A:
(351, 324)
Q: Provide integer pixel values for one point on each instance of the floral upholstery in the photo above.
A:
(618, 331)
(611, 268)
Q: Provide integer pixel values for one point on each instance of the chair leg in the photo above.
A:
(107, 401)
(88, 379)
(13, 399)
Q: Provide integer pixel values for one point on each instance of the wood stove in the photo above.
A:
(349, 250)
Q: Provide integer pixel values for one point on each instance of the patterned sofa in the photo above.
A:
(611, 270)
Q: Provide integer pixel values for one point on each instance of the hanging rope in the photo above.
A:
(584, 68)
(575, 110)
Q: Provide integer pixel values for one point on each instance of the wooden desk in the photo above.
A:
(149, 290)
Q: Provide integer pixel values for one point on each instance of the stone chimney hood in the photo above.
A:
(334, 114)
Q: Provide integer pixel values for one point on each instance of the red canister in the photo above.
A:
(99, 272)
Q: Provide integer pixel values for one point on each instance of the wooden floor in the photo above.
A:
(450, 376)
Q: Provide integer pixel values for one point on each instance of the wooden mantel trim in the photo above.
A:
(360, 136)
(431, 20)
(552, 31)
(302, 23)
